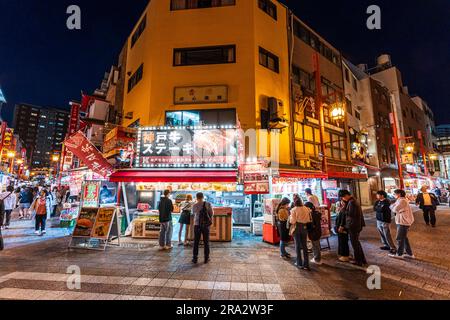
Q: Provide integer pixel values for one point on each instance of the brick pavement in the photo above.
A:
(244, 269)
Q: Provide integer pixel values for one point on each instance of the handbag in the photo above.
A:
(310, 225)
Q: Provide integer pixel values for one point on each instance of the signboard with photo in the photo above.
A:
(256, 178)
(208, 147)
(103, 223)
(85, 223)
(91, 194)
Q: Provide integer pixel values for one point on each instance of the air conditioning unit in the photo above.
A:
(276, 108)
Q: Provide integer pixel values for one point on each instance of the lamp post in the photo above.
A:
(55, 159)
(11, 155)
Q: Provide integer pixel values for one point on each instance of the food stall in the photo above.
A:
(186, 161)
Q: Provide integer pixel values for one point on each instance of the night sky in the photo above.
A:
(43, 63)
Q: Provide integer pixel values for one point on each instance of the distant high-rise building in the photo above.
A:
(42, 130)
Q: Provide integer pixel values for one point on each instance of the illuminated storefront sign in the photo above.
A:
(187, 147)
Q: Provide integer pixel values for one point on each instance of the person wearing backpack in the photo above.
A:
(315, 233)
(9, 203)
(203, 219)
(354, 223)
(428, 203)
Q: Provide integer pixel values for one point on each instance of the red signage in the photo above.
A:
(74, 118)
(84, 150)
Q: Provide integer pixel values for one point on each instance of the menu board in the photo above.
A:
(85, 223)
(256, 178)
(325, 223)
(91, 194)
(103, 223)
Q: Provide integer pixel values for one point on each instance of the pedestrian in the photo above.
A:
(9, 204)
(299, 219)
(428, 203)
(315, 233)
(354, 223)
(185, 219)
(282, 218)
(165, 209)
(54, 195)
(25, 200)
(42, 208)
(342, 232)
(312, 198)
(384, 219)
(203, 220)
(295, 197)
(404, 218)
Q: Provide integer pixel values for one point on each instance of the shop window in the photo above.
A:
(204, 56)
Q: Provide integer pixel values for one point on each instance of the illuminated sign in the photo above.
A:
(187, 147)
(206, 94)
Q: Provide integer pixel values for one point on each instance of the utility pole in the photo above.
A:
(422, 150)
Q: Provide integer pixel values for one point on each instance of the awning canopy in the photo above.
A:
(301, 174)
(161, 176)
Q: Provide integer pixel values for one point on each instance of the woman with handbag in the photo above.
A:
(282, 217)
(301, 219)
(42, 207)
(185, 219)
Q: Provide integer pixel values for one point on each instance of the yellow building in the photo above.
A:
(210, 62)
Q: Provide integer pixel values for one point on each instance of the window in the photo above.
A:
(355, 84)
(268, 7)
(347, 75)
(201, 117)
(357, 115)
(349, 106)
(269, 60)
(303, 78)
(140, 29)
(135, 78)
(204, 56)
(199, 4)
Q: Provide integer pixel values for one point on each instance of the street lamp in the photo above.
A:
(409, 148)
(337, 111)
(55, 158)
(11, 154)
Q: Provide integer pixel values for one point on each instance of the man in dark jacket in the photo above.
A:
(315, 234)
(354, 223)
(165, 209)
(428, 203)
(384, 219)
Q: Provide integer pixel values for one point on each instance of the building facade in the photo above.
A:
(42, 131)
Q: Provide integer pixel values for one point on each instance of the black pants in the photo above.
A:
(7, 218)
(198, 232)
(429, 215)
(40, 222)
(301, 244)
(343, 248)
(357, 248)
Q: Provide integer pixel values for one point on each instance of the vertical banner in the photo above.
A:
(74, 118)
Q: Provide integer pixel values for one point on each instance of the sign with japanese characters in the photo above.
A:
(88, 154)
(209, 147)
(256, 178)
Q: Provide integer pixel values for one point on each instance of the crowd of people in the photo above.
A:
(33, 202)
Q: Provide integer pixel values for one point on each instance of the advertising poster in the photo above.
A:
(256, 178)
(325, 223)
(91, 194)
(85, 223)
(103, 223)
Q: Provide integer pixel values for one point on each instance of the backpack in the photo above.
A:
(205, 219)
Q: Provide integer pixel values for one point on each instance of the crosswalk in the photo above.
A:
(36, 280)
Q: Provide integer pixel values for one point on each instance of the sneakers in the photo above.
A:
(344, 259)
(37, 232)
(44, 231)
(409, 256)
(168, 247)
(394, 255)
(319, 263)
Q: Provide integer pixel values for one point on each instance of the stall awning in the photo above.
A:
(301, 174)
(347, 175)
(155, 176)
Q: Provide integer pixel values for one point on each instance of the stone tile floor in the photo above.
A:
(36, 268)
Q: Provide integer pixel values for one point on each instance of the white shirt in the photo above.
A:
(10, 201)
(314, 200)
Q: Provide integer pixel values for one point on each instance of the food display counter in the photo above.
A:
(222, 227)
(146, 226)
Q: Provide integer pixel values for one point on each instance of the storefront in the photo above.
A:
(186, 161)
